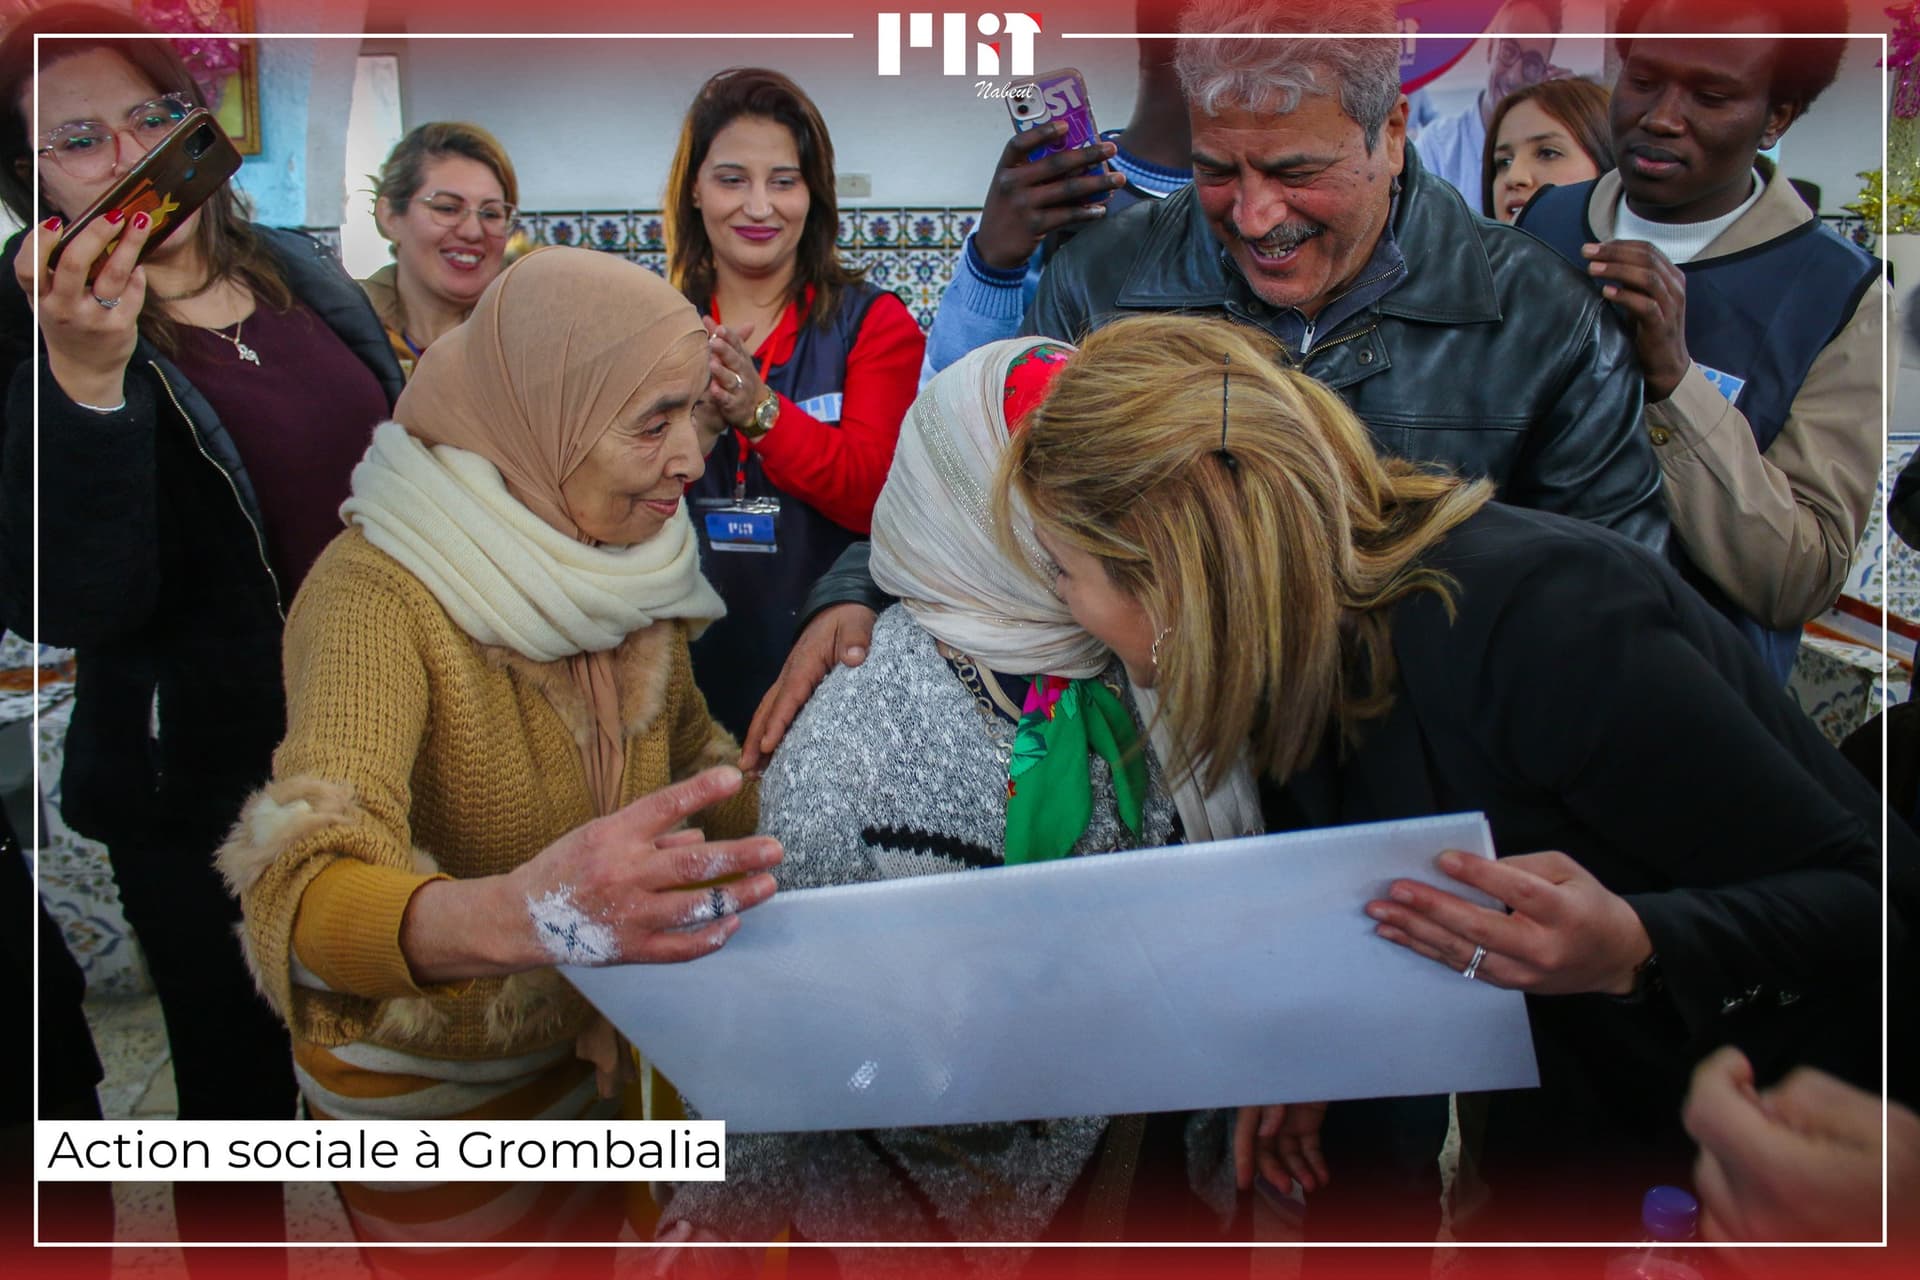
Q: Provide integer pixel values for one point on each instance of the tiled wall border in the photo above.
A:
(908, 250)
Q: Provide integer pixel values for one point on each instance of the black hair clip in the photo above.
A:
(1225, 454)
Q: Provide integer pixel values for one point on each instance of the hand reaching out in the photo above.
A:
(836, 636)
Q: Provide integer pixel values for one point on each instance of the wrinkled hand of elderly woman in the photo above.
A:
(613, 891)
(624, 889)
(1564, 933)
(89, 331)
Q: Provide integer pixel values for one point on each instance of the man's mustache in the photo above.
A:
(1284, 238)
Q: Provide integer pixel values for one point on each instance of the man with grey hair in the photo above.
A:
(1457, 340)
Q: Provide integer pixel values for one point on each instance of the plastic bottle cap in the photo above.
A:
(1669, 1213)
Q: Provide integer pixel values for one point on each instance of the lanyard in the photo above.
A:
(744, 444)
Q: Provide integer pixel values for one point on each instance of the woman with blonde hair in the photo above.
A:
(985, 730)
(1387, 642)
(447, 200)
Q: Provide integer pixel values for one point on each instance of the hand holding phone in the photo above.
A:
(1044, 181)
(1057, 95)
(168, 184)
(88, 327)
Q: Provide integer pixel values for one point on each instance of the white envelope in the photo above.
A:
(1243, 971)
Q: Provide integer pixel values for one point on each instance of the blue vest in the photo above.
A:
(1756, 321)
(739, 656)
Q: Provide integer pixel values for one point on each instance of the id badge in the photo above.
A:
(746, 524)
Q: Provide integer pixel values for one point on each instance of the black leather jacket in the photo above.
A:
(1493, 355)
(152, 566)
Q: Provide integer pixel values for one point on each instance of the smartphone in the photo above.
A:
(1057, 95)
(168, 184)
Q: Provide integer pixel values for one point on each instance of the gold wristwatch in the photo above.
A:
(764, 415)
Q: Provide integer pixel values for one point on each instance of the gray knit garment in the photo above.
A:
(891, 771)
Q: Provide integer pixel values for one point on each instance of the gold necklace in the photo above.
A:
(247, 353)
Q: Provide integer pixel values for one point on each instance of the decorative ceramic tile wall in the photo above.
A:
(1896, 580)
(1841, 685)
(910, 251)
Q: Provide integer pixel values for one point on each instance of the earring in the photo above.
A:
(1155, 652)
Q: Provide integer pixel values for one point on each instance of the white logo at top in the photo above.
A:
(1019, 29)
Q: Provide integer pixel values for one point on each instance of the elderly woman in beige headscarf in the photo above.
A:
(489, 705)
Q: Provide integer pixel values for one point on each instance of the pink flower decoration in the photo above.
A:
(210, 59)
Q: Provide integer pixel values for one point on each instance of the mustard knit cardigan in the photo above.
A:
(413, 751)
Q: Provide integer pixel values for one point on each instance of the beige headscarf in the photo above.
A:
(557, 349)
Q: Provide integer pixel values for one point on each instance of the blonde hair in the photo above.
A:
(1275, 571)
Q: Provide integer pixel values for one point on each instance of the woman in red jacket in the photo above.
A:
(813, 369)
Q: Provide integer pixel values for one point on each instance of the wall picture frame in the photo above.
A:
(212, 38)
(239, 112)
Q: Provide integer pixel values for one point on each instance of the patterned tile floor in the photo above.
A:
(138, 1085)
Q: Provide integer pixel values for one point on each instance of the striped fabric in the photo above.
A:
(370, 1082)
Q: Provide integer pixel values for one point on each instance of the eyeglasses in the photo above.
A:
(88, 150)
(497, 217)
(1533, 63)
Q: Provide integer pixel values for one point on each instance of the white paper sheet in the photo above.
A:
(1243, 971)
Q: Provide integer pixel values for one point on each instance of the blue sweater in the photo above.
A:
(983, 304)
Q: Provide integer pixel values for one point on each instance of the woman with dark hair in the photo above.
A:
(1544, 135)
(447, 200)
(813, 368)
(199, 417)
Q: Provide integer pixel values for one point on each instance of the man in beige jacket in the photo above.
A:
(1759, 332)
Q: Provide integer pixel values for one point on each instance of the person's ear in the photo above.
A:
(1393, 137)
(384, 215)
(1780, 118)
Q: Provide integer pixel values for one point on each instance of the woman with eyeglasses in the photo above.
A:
(446, 200)
(813, 368)
(198, 419)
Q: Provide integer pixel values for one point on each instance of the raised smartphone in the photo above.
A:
(168, 184)
(1057, 95)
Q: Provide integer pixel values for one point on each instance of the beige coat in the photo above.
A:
(1775, 531)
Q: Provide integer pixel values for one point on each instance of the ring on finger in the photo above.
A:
(738, 382)
(108, 303)
(1473, 965)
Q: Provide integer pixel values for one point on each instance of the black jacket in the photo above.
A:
(1492, 356)
(1588, 701)
(153, 567)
